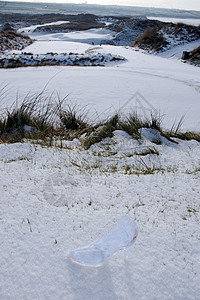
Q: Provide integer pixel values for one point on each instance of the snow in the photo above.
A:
(154, 136)
(87, 36)
(175, 51)
(62, 59)
(56, 200)
(57, 46)
(37, 236)
(29, 30)
(170, 86)
(181, 38)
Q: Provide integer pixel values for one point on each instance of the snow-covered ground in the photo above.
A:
(176, 51)
(29, 30)
(87, 36)
(171, 87)
(55, 200)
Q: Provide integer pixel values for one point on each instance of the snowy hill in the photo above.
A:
(55, 200)
(128, 30)
(11, 40)
(164, 37)
(63, 190)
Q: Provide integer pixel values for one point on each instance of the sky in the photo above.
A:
(177, 4)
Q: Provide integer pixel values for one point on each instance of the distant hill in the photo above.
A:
(101, 10)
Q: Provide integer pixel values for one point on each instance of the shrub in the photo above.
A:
(195, 52)
(151, 40)
(182, 28)
(13, 40)
(133, 123)
(192, 57)
(34, 116)
(101, 131)
(40, 117)
(186, 135)
(72, 118)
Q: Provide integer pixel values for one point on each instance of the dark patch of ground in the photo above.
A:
(11, 40)
(193, 57)
(19, 20)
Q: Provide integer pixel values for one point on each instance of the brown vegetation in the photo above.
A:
(151, 39)
(13, 40)
(155, 38)
(192, 57)
(41, 118)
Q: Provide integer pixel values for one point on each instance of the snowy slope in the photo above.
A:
(56, 200)
(10, 40)
(37, 235)
(177, 51)
(29, 30)
(90, 36)
(170, 86)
